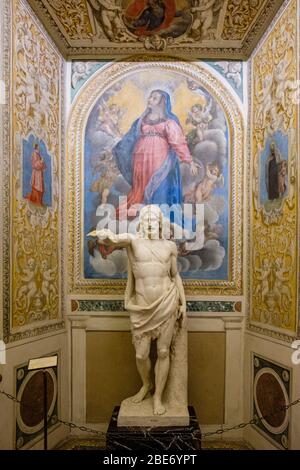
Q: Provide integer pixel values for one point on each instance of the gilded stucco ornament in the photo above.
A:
(114, 28)
(274, 218)
(31, 232)
(36, 105)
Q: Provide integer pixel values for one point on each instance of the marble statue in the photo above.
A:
(156, 302)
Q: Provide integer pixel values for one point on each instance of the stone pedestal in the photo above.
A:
(153, 438)
(141, 414)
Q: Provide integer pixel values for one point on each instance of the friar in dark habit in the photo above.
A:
(272, 174)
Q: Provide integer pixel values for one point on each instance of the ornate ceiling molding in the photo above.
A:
(93, 29)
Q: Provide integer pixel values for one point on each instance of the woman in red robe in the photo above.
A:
(37, 177)
(148, 157)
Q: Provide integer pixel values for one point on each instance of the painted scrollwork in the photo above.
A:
(273, 278)
(274, 175)
(36, 123)
(196, 21)
(239, 16)
(73, 16)
(36, 294)
(114, 28)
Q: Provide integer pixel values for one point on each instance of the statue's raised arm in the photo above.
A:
(107, 237)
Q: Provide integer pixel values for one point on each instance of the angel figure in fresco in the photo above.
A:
(262, 276)
(200, 117)
(148, 157)
(203, 15)
(108, 175)
(29, 288)
(213, 179)
(48, 275)
(263, 92)
(37, 177)
(283, 85)
(105, 168)
(80, 71)
(109, 118)
(26, 97)
(107, 14)
(280, 288)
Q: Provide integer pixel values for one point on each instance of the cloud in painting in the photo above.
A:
(213, 148)
(218, 204)
(189, 263)
(211, 216)
(212, 255)
(100, 141)
(116, 263)
(209, 258)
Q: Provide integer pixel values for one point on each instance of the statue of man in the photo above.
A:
(154, 297)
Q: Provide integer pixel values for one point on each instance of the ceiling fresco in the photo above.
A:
(219, 29)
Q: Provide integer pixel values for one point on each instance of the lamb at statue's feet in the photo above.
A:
(158, 408)
(142, 393)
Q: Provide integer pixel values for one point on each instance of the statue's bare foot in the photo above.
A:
(141, 394)
(159, 408)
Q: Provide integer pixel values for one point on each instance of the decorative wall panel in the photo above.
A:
(32, 257)
(274, 243)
